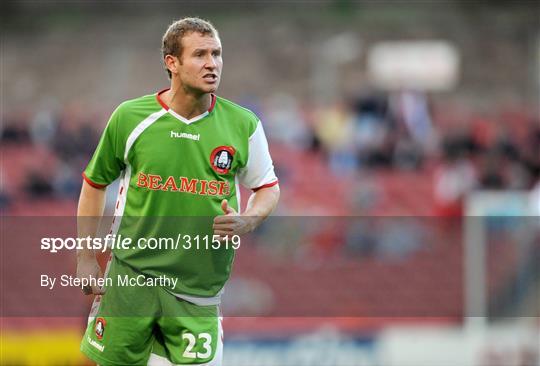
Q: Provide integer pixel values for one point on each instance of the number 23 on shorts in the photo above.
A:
(204, 349)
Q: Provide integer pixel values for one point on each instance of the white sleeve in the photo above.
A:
(259, 170)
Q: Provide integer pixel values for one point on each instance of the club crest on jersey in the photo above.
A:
(221, 159)
(100, 327)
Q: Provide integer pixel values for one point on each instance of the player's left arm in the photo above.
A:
(258, 174)
(260, 205)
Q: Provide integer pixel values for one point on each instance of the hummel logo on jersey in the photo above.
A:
(183, 135)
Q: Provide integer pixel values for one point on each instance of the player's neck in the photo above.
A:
(186, 104)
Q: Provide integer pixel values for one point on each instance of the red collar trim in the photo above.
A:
(213, 103)
(166, 107)
(160, 101)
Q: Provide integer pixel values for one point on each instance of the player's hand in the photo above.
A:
(88, 267)
(231, 222)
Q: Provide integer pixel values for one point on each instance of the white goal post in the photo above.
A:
(479, 206)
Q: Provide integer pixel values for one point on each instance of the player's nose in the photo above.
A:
(211, 63)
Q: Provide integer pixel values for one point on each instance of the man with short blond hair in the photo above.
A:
(179, 152)
(172, 39)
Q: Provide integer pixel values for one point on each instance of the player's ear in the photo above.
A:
(171, 62)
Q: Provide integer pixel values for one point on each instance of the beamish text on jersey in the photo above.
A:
(202, 187)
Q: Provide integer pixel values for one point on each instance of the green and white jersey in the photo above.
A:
(174, 174)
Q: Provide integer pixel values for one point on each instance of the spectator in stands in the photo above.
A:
(14, 129)
(411, 109)
(372, 130)
(454, 179)
(285, 122)
(43, 127)
(5, 198)
(334, 128)
(38, 186)
(490, 173)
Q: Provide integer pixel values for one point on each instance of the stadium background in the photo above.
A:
(385, 121)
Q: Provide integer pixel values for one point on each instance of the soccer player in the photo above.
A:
(179, 152)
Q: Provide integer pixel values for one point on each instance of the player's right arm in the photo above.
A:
(89, 213)
(104, 167)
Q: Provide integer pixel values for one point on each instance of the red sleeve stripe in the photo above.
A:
(265, 186)
(95, 185)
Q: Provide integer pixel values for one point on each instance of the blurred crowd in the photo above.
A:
(401, 131)
(405, 131)
(44, 153)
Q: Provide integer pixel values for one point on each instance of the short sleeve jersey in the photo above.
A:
(174, 173)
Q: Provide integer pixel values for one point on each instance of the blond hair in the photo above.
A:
(172, 39)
